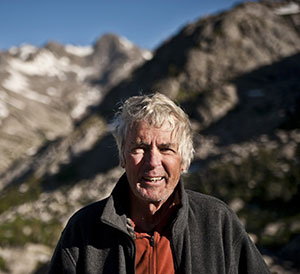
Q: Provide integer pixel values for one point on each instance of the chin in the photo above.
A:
(153, 198)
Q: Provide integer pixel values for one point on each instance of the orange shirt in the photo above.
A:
(153, 251)
(153, 254)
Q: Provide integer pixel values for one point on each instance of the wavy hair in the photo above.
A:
(156, 110)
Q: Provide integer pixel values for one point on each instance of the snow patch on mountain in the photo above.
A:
(84, 100)
(147, 55)
(79, 50)
(291, 8)
(126, 43)
(24, 51)
(19, 84)
(47, 64)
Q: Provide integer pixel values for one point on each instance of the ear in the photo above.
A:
(122, 164)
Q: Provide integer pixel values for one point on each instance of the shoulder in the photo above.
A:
(209, 207)
(84, 221)
(207, 213)
(200, 200)
(82, 225)
(89, 212)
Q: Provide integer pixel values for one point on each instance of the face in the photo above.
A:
(152, 162)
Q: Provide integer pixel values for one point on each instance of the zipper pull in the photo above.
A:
(152, 240)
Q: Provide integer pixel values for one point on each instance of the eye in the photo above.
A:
(138, 150)
(167, 150)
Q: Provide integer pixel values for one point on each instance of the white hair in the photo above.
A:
(156, 110)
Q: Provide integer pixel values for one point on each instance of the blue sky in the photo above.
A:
(81, 22)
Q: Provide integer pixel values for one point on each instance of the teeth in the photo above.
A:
(153, 179)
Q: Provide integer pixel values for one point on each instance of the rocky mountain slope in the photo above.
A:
(45, 90)
(235, 73)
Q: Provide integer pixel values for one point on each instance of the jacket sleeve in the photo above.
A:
(248, 258)
(62, 261)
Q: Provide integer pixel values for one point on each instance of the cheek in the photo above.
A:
(134, 160)
(175, 166)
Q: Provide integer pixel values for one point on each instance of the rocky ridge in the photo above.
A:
(44, 91)
(236, 74)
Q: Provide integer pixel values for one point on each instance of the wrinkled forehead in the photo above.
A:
(142, 130)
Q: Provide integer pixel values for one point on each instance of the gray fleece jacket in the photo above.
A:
(207, 237)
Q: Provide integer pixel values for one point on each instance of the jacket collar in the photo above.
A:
(116, 210)
(117, 207)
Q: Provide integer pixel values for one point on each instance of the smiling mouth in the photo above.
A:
(153, 179)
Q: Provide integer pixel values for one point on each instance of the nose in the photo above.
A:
(153, 158)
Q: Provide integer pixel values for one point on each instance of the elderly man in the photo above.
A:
(150, 223)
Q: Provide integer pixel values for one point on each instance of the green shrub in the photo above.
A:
(268, 185)
(21, 231)
(14, 196)
(3, 265)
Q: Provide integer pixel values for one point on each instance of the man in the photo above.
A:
(150, 223)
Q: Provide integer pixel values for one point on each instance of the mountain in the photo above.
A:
(205, 56)
(44, 91)
(236, 73)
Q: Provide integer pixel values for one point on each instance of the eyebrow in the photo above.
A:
(163, 145)
(168, 145)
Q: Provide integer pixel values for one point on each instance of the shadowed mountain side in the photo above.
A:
(139, 82)
(205, 56)
(268, 99)
(168, 59)
(101, 158)
(88, 151)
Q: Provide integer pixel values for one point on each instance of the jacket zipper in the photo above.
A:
(152, 268)
(152, 241)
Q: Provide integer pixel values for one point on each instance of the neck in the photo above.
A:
(147, 215)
